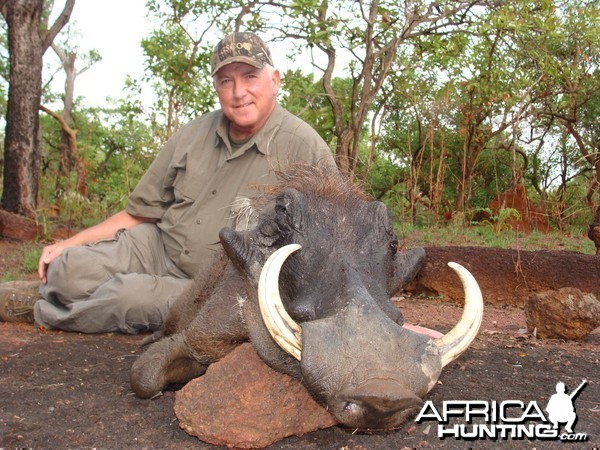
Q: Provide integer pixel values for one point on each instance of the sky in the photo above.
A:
(114, 28)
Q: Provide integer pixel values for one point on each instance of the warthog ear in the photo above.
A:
(407, 264)
(233, 244)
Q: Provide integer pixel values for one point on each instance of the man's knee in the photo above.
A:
(144, 299)
(72, 276)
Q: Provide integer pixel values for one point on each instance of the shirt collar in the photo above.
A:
(262, 139)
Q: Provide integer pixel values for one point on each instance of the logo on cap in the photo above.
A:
(242, 47)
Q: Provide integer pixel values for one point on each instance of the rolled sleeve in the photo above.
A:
(154, 193)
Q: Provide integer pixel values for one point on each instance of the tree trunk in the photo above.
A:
(27, 42)
(69, 153)
(67, 143)
(594, 231)
(22, 140)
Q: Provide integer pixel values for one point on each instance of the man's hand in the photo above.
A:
(49, 254)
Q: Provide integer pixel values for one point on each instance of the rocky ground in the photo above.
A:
(70, 390)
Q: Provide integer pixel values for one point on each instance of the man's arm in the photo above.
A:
(104, 230)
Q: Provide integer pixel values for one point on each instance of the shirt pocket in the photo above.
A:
(179, 185)
(176, 179)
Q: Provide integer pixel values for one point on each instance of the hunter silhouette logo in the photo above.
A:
(507, 419)
(560, 406)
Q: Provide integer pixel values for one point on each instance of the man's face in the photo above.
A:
(247, 97)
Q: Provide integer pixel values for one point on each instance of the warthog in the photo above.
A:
(309, 286)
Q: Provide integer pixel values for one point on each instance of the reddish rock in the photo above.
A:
(20, 228)
(506, 276)
(62, 232)
(531, 217)
(241, 402)
(566, 313)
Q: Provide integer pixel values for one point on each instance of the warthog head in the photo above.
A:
(320, 267)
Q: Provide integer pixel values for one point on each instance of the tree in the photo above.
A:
(177, 59)
(69, 154)
(567, 102)
(365, 37)
(29, 36)
(515, 67)
(303, 96)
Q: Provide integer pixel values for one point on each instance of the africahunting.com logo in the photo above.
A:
(508, 419)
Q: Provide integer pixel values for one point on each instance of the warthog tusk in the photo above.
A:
(457, 340)
(282, 328)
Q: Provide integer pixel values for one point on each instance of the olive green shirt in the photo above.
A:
(196, 180)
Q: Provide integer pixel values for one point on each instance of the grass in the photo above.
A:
(31, 256)
(486, 236)
(22, 262)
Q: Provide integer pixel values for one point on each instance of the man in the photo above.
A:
(123, 274)
(560, 407)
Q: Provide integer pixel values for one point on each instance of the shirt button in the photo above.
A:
(199, 221)
(186, 252)
(214, 192)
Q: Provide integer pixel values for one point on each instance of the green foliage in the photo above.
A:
(464, 111)
(31, 257)
(304, 97)
(177, 67)
(385, 180)
(26, 263)
(500, 220)
(117, 149)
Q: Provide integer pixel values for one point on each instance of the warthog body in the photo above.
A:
(317, 310)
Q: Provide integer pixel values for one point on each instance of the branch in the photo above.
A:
(63, 124)
(61, 55)
(59, 23)
(592, 159)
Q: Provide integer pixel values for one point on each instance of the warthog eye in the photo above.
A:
(351, 407)
(394, 245)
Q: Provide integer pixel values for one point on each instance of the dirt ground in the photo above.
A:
(70, 390)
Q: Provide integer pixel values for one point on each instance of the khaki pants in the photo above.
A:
(126, 284)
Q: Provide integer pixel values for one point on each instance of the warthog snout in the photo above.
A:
(384, 399)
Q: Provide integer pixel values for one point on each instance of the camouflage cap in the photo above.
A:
(241, 47)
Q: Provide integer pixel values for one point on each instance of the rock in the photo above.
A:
(566, 313)
(20, 228)
(241, 402)
(506, 276)
(62, 232)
